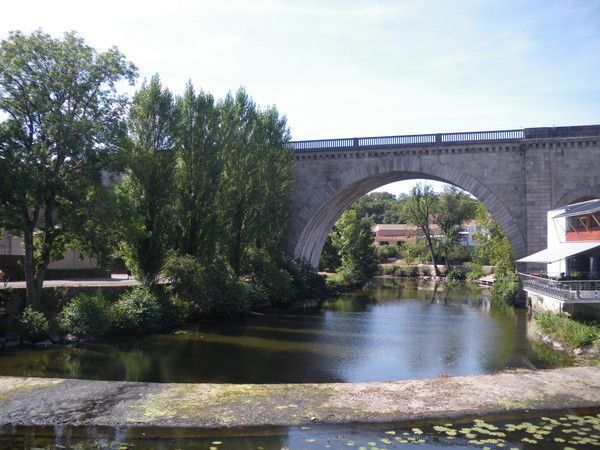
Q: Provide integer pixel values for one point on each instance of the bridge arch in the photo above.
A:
(580, 193)
(319, 213)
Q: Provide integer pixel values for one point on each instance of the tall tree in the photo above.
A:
(353, 240)
(198, 174)
(146, 191)
(453, 208)
(492, 246)
(256, 178)
(419, 208)
(61, 114)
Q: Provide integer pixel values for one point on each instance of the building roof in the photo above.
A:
(560, 252)
(579, 209)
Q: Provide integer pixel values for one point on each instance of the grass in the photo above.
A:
(564, 329)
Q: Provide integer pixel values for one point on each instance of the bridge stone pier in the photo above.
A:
(517, 174)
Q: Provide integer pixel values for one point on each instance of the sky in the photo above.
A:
(353, 68)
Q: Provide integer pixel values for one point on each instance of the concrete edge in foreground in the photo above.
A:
(50, 401)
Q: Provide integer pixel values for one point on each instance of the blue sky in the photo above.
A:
(358, 68)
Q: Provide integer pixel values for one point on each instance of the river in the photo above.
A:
(390, 331)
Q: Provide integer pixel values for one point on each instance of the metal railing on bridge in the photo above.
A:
(567, 290)
(414, 139)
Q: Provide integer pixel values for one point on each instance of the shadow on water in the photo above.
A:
(392, 330)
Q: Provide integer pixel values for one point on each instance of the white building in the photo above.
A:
(566, 273)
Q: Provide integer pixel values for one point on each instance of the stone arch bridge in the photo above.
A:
(517, 174)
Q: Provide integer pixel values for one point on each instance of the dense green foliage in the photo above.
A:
(256, 178)
(33, 324)
(61, 116)
(384, 252)
(493, 246)
(505, 287)
(145, 192)
(86, 314)
(564, 329)
(456, 274)
(353, 240)
(380, 207)
(198, 174)
(205, 290)
(139, 310)
(198, 188)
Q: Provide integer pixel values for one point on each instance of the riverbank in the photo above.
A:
(563, 333)
(51, 402)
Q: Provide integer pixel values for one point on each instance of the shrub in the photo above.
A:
(401, 271)
(138, 310)
(414, 252)
(413, 271)
(457, 274)
(306, 280)
(475, 271)
(505, 288)
(201, 290)
(567, 330)
(33, 324)
(189, 285)
(86, 314)
(384, 252)
(389, 270)
(426, 271)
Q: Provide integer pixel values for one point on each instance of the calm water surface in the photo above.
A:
(388, 332)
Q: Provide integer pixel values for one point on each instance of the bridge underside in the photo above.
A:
(518, 179)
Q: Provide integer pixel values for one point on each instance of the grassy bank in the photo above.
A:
(571, 332)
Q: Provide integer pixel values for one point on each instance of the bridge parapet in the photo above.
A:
(381, 142)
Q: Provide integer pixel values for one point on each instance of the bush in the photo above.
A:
(505, 288)
(384, 252)
(33, 324)
(389, 270)
(456, 275)
(475, 271)
(189, 285)
(412, 271)
(86, 314)
(567, 330)
(201, 290)
(414, 252)
(306, 280)
(139, 310)
(426, 271)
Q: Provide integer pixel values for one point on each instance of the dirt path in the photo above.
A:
(39, 401)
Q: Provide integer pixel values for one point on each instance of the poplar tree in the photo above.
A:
(197, 174)
(146, 190)
(256, 178)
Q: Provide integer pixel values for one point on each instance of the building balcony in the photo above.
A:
(571, 291)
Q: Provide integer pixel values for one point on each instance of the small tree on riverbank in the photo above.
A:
(62, 112)
(418, 210)
(353, 240)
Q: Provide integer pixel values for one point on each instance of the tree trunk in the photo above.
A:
(34, 291)
(430, 245)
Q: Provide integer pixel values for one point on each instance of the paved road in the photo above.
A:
(115, 281)
(51, 402)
